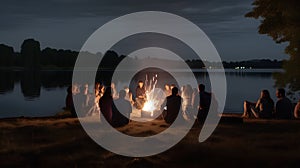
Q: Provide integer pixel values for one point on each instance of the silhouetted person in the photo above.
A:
(204, 103)
(173, 104)
(69, 102)
(263, 108)
(140, 95)
(105, 104)
(284, 107)
(297, 110)
(121, 110)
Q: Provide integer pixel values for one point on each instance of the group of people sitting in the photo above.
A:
(187, 102)
(116, 107)
(93, 100)
(266, 109)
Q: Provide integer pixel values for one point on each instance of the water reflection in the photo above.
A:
(42, 93)
(31, 84)
(31, 81)
(7, 81)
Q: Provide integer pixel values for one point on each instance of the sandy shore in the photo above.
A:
(61, 142)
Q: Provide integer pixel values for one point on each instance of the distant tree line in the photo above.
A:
(255, 64)
(32, 57)
(7, 56)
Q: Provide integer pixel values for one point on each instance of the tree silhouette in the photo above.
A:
(6, 56)
(30, 52)
(281, 20)
(58, 58)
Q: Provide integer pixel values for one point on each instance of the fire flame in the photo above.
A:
(149, 106)
(155, 96)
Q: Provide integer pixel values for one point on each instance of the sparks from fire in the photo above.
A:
(154, 96)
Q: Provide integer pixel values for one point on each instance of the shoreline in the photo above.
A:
(58, 142)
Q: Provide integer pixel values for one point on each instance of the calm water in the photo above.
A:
(43, 93)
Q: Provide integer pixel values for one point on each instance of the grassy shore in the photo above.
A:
(61, 142)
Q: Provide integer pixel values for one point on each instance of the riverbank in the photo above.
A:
(61, 142)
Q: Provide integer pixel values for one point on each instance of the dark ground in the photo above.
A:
(52, 142)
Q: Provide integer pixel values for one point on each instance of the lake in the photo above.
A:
(42, 93)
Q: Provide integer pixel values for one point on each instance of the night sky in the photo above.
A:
(67, 24)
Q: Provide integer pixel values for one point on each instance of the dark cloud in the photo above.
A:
(68, 23)
(203, 11)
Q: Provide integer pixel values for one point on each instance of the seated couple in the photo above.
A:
(264, 107)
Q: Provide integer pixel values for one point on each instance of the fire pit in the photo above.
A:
(151, 109)
(147, 114)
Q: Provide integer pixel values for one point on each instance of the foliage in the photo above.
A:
(30, 52)
(281, 20)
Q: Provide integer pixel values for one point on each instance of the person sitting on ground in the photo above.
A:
(263, 108)
(69, 101)
(121, 110)
(172, 104)
(204, 103)
(105, 104)
(128, 94)
(94, 102)
(140, 95)
(297, 110)
(284, 107)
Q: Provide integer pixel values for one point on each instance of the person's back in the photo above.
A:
(205, 100)
(284, 107)
(69, 99)
(121, 110)
(173, 106)
(105, 104)
(266, 107)
(204, 104)
(69, 102)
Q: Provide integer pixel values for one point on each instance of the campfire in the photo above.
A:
(155, 98)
